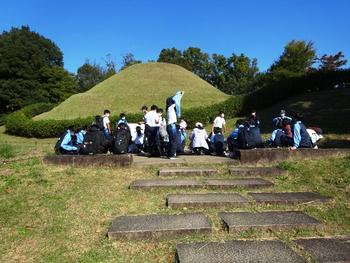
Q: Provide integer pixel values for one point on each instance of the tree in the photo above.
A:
(171, 55)
(332, 63)
(110, 66)
(233, 75)
(129, 60)
(197, 62)
(296, 59)
(88, 75)
(57, 83)
(236, 74)
(25, 55)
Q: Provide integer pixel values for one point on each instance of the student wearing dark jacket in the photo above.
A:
(301, 138)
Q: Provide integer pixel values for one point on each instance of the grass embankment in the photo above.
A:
(61, 214)
(137, 85)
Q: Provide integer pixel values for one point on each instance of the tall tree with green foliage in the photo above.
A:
(26, 60)
(88, 75)
(232, 75)
(235, 74)
(296, 59)
(171, 55)
(332, 63)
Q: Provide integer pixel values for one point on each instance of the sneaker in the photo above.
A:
(172, 158)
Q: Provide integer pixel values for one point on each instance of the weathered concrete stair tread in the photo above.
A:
(242, 221)
(210, 183)
(254, 171)
(150, 183)
(233, 183)
(205, 200)
(273, 155)
(271, 251)
(101, 160)
(159, 226)
(288, 198)
(327, 249)
(187, 172)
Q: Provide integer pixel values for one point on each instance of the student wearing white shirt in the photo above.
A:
(152, 121)
(106, 124)
(219, 122)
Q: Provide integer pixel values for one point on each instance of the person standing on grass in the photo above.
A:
(219, 123)
(152, 121)
(107, 131)
(173, 111)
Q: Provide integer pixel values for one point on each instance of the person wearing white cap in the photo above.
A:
(198, 139)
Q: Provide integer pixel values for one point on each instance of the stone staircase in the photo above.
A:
(160, 226)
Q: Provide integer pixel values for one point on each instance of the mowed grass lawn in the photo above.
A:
(61, 214)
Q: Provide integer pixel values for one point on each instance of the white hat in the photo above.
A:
(199, 125)
(183, 124)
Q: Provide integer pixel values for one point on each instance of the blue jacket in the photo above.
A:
(234, 134)
(67, 143)
(177, 99)
(300, 136)
(80, 137)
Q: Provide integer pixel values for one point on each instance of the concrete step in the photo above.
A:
(187, 172)
(288, 198)
(236, 183)
(205, 200)
(330, 249)
(98, 160)
(156, 183)
(268, 251)
(209, 183)
(273, 155)
(257, 171)
(242, 221)
(143, 227)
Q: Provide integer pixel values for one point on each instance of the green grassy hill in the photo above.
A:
(140, 84)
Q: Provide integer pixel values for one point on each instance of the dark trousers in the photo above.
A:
(173, 136)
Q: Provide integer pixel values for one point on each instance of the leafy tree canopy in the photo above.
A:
(28, 62)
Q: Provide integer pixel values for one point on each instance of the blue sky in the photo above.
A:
(258, 28)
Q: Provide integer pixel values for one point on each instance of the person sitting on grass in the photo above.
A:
(232, 138)
(198, 140)
(278, 120)
(301, 138)
(122, 119)
(68, 143)
(284, 137)
(81, 135)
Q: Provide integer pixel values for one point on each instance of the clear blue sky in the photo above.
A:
(260, 28)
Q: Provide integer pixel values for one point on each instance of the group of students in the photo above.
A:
(158, 136)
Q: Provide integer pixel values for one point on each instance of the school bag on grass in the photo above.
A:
(93, 142)
(99, 122)
(121, 139)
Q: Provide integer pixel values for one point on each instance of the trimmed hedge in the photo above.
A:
(21, 123)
